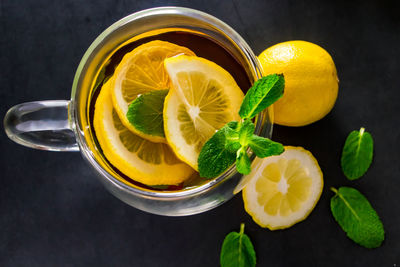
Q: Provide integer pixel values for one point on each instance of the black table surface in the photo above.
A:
(54, 212)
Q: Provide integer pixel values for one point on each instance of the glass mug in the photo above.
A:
(63, 125)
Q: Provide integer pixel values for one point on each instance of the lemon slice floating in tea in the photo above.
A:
(140, 159)
(141, 71)
(203, 98)
(283, 190)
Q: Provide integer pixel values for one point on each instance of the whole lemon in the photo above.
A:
(311, 82)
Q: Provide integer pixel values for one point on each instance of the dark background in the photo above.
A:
(53, 212)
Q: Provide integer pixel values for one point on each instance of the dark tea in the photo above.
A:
(202, 81)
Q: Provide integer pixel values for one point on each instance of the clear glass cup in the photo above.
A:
(63, 125)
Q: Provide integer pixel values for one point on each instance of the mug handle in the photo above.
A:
(42, 125)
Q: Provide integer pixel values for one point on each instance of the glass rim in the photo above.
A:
(186, 12)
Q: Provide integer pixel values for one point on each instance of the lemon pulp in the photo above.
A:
(140, 159)
(141, 71)
(203, 98)
(282, 190)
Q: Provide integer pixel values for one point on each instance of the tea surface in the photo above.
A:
(202, 47)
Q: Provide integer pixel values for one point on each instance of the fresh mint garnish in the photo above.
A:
(261, 95)
(145, 113)
(264, 147)
(357, 154)
(357, 218)
(246, 131)
(237, 250)
(232, 136)
(231, 142)
(243, 164)
(217, 154)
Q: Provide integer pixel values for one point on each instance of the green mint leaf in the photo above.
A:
(357, 154)
(232, 146)
(215, 156)
(264, 147)
(232, 136)
(357, 218)
(246, 130)
(243, 164)
(261, 95)
(231, 142)
(233, 125)
(237, 250)
(145, 113)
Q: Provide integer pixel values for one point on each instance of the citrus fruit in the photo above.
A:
(141, 71)
(140, 159)
(311, 82)
(202, 99)
(283, 190)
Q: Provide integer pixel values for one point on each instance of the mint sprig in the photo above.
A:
(357, 218)
(237, 250)
(357, 154)
(232, 142)
(243, 163)
(261, 95)
(217, 153)
(264, 147)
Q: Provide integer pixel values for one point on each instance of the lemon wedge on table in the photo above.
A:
(140, 159)
(283, 190)
(202, 99)
(141, 71)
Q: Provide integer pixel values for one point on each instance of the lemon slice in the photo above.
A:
(283, 190)
(142, 160)
(202, 99)
(141, 71)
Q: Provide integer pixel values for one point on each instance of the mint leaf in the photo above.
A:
(264, 147)
(231, 142)
(246, 130)
(215, 156)
(145, 113)
(237, 250)
(243, 164)
(261, 95)
(357, 218)
(232, 136)
(357, 154)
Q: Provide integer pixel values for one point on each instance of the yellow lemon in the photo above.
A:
(311, 82)
(140, 159)
(283, 190)
(202, 99)
(141, 71)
